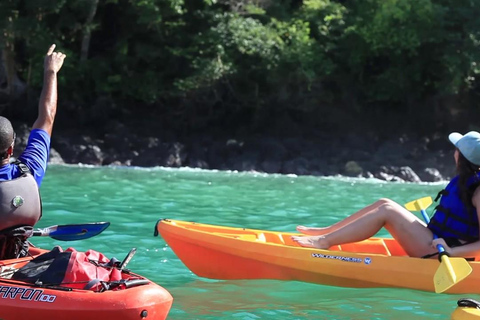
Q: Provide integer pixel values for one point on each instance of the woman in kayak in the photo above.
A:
(455, 222)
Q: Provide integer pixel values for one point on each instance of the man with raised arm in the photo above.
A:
(20, 203)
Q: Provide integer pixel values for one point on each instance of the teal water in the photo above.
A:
(134, 199)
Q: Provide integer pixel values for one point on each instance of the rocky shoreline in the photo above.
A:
(399, 158)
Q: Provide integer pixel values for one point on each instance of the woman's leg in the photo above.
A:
(405, 227)
(319, 231)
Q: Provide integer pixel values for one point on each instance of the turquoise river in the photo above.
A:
(133, 199)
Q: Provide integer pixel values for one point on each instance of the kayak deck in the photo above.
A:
(384, 246)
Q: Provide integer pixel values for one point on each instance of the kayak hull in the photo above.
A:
(19, 300)
(219, 252)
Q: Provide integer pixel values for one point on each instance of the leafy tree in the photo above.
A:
(237, 63)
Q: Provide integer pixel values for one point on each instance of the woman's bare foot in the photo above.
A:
(318, 242)
(311, 231)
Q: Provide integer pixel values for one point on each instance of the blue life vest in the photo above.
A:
(452, 219)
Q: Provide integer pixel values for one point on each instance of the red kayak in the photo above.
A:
(135, 297)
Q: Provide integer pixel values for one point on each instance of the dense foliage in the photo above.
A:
(203, 63)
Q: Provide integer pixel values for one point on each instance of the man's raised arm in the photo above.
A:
(47, 107)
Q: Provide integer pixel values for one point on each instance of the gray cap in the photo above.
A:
(468, 145)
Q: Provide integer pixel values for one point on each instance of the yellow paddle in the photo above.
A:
(451, 270)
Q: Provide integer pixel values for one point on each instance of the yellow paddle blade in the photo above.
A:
(450, 272)
(419, 204)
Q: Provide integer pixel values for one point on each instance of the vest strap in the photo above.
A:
(23, 167)
(443, 192)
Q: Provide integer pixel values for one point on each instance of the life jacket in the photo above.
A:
(20, 209)
(452, 218)
(20, 202)
(72, 269)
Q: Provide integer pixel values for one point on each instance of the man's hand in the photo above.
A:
(53, 60)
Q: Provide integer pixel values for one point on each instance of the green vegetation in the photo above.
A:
(203, 63)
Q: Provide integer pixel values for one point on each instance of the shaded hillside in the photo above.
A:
(141, 74)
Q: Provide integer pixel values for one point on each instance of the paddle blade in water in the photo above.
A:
(450, 272)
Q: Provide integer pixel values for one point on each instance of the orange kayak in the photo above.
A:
(220, 252)
(20, 300)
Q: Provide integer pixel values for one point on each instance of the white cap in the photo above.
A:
(468, 145)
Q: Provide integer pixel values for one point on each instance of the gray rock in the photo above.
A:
(297, 166)
(55, 157)
(91, 155)
(352, 169)
(430, 175)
